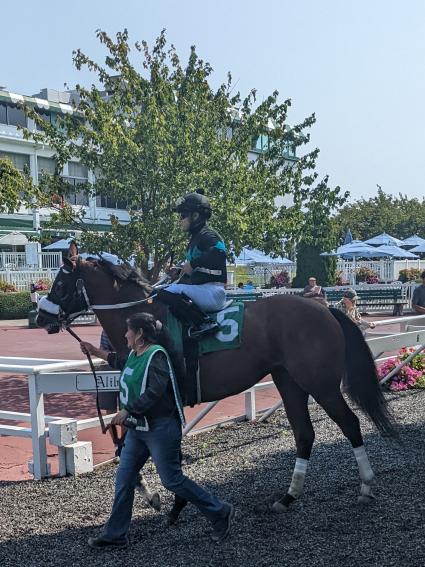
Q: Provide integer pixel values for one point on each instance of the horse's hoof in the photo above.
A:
(279, 508)
(365, 500)
(155, 502)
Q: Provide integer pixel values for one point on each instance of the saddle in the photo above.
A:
(181, 317)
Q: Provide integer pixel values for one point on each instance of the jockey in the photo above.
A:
(204, 272)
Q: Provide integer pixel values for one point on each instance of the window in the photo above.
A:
(45, 115)
(16, 116)
(46, 165)
(20, 161)
(77, 175)
(3, 113)
(110, 203)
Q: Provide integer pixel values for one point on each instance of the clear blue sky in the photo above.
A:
(358, 65)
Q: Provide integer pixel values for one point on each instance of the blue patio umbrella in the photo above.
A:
(254, 256)
(383, 238)
(62, 244)
(413, 240)
(355, 250)
(418, 249)
(396, 252)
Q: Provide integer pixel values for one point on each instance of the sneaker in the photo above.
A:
(222, 527)
(101, 542)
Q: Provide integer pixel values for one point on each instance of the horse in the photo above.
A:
(307, 348)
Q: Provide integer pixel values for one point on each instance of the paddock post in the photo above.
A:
(38, 429)
(250, 409)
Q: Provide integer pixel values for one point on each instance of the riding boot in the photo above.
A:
(199, 323)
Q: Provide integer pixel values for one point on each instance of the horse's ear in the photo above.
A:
(73, 249)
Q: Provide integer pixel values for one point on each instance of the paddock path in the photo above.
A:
(47, 523)
(15, 452)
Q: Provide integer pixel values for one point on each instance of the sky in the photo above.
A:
(359, 66)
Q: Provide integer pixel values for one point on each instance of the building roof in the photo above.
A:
(35, 102)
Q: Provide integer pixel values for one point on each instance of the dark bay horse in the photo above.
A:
(306, 347)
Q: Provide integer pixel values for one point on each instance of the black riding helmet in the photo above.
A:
(194, 203)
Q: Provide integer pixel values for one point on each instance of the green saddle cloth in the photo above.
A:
(229, 336)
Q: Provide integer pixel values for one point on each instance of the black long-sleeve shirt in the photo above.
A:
(206, 253)
(158, 398)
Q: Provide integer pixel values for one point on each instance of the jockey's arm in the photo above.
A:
(212, 252)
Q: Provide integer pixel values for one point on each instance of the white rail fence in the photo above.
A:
(388, 270)
(22, 279)
(46, 376)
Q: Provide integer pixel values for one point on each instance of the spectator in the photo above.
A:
(249, 286)
(314, 291)
(418, 299)
(240, 285)
(348, 305)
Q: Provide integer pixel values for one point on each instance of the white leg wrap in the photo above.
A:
(298, 477)
(365, 470)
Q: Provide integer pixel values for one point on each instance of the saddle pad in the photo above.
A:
(230, 320)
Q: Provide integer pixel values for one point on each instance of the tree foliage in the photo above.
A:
(397, 215)
(16, 188)
(163, 131)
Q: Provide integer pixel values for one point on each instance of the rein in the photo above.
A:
(117, 440)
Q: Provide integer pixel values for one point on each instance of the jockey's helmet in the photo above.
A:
(194, 203)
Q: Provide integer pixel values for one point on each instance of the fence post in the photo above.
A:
(38, 429)
(250, 410)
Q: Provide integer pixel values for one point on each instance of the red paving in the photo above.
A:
(15, 452)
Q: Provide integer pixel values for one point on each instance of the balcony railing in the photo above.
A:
(20, 260)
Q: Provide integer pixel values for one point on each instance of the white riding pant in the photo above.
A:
(208, 296)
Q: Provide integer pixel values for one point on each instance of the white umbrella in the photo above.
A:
(13, 239)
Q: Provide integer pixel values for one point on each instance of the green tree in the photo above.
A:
(16, 188)
(396, 215)
(319, 236)
(163, 131)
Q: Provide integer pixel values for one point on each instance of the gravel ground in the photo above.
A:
(47, 523)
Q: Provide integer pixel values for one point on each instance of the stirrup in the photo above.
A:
(205, 330)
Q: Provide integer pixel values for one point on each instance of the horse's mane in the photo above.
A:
(123, 273)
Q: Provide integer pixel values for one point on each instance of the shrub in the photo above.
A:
(366, 275)
(280, 280)
(7, 287)
(409, 275)
(15, 305)
(410, 376)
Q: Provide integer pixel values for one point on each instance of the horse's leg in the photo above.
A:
(295, 400)
(338, 410)
(151, 498)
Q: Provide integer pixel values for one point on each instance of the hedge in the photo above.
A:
(15, 305)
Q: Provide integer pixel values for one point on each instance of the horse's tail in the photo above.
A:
(361, 378)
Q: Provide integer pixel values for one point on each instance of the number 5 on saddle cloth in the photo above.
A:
(181, 316)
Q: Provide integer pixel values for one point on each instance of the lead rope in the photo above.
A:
(103, 427)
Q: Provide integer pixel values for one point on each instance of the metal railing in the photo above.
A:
(20, 260)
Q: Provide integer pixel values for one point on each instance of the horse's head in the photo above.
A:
(82, 283)
(66, 300)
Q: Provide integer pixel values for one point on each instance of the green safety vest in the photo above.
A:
(133, 381)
